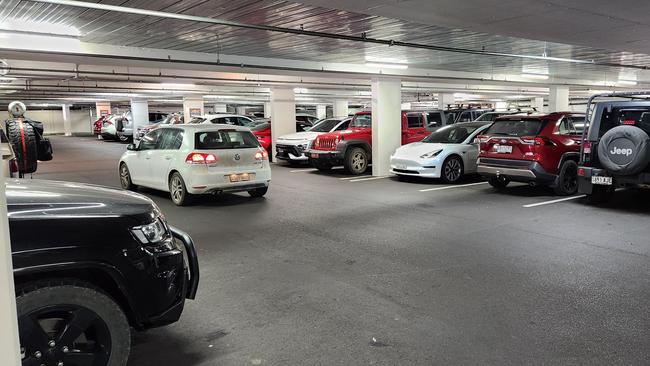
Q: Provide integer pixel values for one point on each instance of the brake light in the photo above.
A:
(538, 141)
(629, 122)
(586, 147)
(581, 172)
(261, 155)
(199, 158)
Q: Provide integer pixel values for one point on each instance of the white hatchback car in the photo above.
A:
(188, 160)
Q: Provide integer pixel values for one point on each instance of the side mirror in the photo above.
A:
(131, 147)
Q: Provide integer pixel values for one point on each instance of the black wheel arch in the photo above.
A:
(344, 145)
(573, 155)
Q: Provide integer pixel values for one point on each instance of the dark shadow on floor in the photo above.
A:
(161, 346)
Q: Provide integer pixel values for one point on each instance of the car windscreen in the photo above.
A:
(454, 134)
(517, 127)
(325, 125)
(197, 120)
(636, 116)
(224, 139)
(361, 120)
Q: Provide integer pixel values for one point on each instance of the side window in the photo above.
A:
(465, 117)
(564, 128)
(451, 117)
(171, 139)
(414, 121)
(343, 126)
(434, 119)
(244, 121)
(150, 140)
(577, 125)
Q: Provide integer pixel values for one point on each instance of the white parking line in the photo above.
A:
(450, 187)
(365, 179)
(356, 177)
(303, 170)
(554, 201)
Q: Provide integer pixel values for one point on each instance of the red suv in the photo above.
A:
(352, 148)
(534, 149)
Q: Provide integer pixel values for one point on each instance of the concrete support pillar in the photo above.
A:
(67, 121)
(538, 104)
(283, 114)
(445, 99)
(241, 110)
(102, 109)
(386, 122)
(9, 344)
(341, 108)
(321, 111)
(140, 113)
(267, 109)
(220, 108)
(558, 99)
(192, 107)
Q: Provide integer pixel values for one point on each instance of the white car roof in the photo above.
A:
(221, 115)
(198, 127)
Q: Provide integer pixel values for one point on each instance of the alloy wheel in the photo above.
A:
(453, 170)
(125, 178)
(176, 188)
(358, 161)
(570, 180)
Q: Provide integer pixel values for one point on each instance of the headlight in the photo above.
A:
(431, 154)
(154, 236)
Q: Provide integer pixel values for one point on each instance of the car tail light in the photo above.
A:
(581, 172)
(483, 138)
(629, 122)
(261, 155)
(536, 140)
(586, 147)
(199, 158)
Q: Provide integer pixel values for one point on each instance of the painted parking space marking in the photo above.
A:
(554, 201)
(356, 177)
(303, 170)
(450, 187)
(365, 179)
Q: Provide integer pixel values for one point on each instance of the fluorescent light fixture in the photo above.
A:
(387, 66)
(29, 26)
(627, 82)
(386, 60)
(300, 90)
(176, 85)
(535, 76)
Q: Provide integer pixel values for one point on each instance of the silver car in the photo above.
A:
(448, 153)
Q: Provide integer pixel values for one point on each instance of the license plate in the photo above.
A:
(314, 156)
(503, 149)
(398, 166)
(242, 177)
(603, 181)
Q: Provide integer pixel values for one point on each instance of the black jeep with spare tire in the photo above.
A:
(90, 263)
(615, 150)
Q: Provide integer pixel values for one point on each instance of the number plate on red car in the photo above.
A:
(503, 149)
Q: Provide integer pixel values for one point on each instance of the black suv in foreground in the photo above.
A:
(89, 263)
(615, 151)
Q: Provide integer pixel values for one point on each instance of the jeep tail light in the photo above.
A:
(199, 158)
(581, 172)
(629, 122)
(586, 147)
(261, 155)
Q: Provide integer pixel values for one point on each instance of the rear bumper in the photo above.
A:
(586, 173)
(218, 182)
(515, 170)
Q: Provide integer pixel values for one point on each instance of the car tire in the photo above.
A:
(91, 324)
(600, 194)
(567, 180)
(23, 141)
(499, 182)
(125, 178)
(452, 170)
(356, 161)
(178, 190)
(258, 192)
(630, 138)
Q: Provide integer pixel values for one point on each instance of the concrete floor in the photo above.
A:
(327, 270)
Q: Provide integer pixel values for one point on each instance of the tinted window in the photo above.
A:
(245, 122)
(362, 120)
(639, 117)
(529, 127)
(488, 117)
(215, 140)
(150, 140)
(227, 120)
(450, 117)
(465, 117)
(325, 125)
(301, 126)
(414, 121)
(171, 139)
(434, 119)
(451, 134)
(261, 126)
(344, 126)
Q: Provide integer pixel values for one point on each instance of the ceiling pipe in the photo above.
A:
(363, 39)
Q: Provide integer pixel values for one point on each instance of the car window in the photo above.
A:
(414, 121)
(434, 119)
(637, 116)
(301, 126)
(170, 139)
(450, 117)
(344, 126)
(451, 134)
(526, 127)
(197, 120)
(225, 139)
(150, 140)
(325, 125)
(362, 120)
(466, 116)
(243, 121)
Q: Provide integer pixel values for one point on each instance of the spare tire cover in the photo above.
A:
(624, 150)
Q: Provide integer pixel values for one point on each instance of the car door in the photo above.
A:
(163, 155)
(140, 166)
(472, 150)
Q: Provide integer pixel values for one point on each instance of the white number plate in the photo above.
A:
(503, 149)
(400, 166)
(603, 181)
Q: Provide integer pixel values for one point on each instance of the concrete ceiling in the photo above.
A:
(621, 25)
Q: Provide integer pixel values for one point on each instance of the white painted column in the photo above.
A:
(140, 113)
(220, 108)
(445, 99)
(341, 108)
(241, 110)
(537, 103)
(67, 121)
(386, 122)
(9, 343)
(192, 107)
(102, 109)
(283, 113)
(267, 109)
(321, 111)
(558, 99)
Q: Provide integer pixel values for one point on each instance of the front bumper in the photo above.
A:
(328, 157)
(284, 151)
(425, 168)
(515, 170)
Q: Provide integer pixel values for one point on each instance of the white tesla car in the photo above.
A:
(448, 153)
(188, 160)
(291, 147)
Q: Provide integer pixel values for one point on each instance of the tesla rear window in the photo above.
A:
(526, 127)
(216, 140)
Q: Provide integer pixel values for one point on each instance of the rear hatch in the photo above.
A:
(232, 149)
(514, 139)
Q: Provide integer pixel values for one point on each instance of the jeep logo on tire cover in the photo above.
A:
(621, 151)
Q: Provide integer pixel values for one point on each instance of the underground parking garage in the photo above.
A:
(318, 183)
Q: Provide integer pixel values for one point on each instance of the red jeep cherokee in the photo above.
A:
(534, 149)
(352, 148)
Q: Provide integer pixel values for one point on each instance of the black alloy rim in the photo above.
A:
(570, 179)
(64, 335)
(452, 170)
